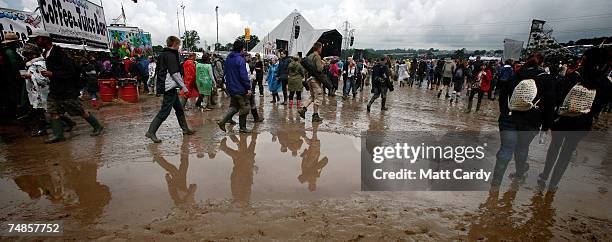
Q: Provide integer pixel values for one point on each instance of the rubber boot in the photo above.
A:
(469, 108)
(183, 124)
(153, 129)
(69, 123)
(383, 107)
(273, 98)
(226, 119)
(439, 93)
(369, 104)
(58, 132)
(290, 104)
(477, 106)
(98, 128)
(316, 118)
(284, 99)
(298, 104)
(256, 117)
(40, 126)
(242, 122)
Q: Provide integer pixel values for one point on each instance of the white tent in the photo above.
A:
(283, 37)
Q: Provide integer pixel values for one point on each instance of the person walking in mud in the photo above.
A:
(244, 166)
(169, 80)
(448, 71)
(253, 80)
(380, 84)
(63, 88)
(520, 118)
(311, 165)
(283, 73)
(316, 92)
(295, 86)
(238, 86)
(582, 95)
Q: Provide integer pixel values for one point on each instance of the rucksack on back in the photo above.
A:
(523, 96)
(578, 101)
(459, 73)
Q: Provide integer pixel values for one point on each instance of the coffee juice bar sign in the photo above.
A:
(74, 22)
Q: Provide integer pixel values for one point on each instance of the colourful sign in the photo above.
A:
(129, 42)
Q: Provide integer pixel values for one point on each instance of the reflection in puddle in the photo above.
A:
(282, 165)
(499, 218)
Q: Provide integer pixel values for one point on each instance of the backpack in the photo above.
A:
(459, 73)
(310, 67)
(578, 101)
(506, 74)
(523, 96)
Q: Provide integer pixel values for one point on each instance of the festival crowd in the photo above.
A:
(561, 98)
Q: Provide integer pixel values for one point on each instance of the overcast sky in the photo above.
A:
(379, 24)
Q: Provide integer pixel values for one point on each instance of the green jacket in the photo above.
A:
(204, 78)
(296, 76)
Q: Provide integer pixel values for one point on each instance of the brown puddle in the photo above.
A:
(289, 165)
(286, 185)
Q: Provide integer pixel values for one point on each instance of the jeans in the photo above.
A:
(170, 101)
(349, 85)
(515, 140)
(562, 147)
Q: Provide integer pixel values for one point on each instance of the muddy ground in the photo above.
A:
(289, 180)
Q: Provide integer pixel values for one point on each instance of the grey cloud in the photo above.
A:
(379, 24)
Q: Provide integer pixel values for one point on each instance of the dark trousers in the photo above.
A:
(238, 104)
(515, 141)
(473, 93)
(492, 92)
(562, 147)
(284, 83)
(421, 77)
(378, 92)
(170, 101)
(298, 95)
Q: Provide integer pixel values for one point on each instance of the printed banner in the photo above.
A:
(512, 49)
(130, 42)
(74, 22)
(19, 22)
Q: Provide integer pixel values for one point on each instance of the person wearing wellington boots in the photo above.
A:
(63, 88)
(169, 80)
(238, 87)
(380, 84)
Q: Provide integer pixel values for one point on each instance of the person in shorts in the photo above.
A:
(316, 91)
(63, 87)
